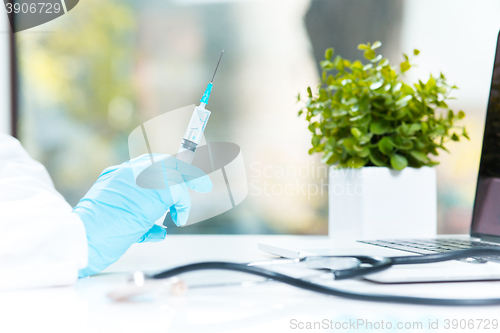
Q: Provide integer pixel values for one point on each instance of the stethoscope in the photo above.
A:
(329, 267)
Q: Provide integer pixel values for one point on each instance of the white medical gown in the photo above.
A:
(41, 242)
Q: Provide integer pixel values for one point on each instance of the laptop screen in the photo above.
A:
(486, 216)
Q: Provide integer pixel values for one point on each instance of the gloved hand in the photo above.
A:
(117, 212)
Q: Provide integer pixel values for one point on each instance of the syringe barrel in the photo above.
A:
(193, 134)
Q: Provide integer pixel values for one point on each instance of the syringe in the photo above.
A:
(196, 125)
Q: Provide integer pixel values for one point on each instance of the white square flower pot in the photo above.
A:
(377, 202)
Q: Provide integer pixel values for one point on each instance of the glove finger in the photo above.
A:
(194, 177)
(155, 234)
(182, 204)
(179, 196)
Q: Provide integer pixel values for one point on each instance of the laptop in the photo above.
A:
(484, 230)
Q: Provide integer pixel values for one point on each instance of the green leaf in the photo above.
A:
(365, 139)
(397, 87)
(455, 137)
(398, 162)
(377, 158)
(323, 95)
(380, 126)
(402, 144)
(309, 92)
(349, 144)
(376, 85)
(419, 156)
(327, 157)
(355, 162)
(369, 54)
(334, 158)
(330, 144)
(416, 52)
(315, 140)
(404, 66)
(351, 101)
(420, 145)
(357, 65)
(385, 145)
(414, 128)
(465, 134)
(339, 113)
(404, 100)
(438, 131)
(407, 90)
(376, 45)
(356, 132)
(331, 125)
(384, 62)
(339, 63)
(362, 151)
(367, 67)
(441, 104)
(363, 47)
(326, 64)
(377, 58)
(356, 118)
(461, 114)
(432, 150)
(431, 83)
(450, 114)
(329, 53)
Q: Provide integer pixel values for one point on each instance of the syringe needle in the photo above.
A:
(206, 95)
(217, 66)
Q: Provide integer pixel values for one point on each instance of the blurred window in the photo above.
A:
(88, 78)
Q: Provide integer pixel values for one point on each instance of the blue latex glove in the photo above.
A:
(117, 212)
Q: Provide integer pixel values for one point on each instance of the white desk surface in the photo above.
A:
(267, 307)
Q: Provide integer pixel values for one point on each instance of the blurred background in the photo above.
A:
(87, 79)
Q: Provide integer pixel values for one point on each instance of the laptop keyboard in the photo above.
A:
(430, 246)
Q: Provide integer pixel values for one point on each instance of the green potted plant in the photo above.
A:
(379, 135)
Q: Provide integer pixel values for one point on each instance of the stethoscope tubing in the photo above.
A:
(383, 263)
